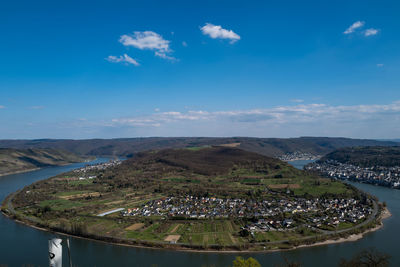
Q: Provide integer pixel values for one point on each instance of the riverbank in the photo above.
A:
(284, 242)
(35, 169)
(17, 237)
(20, 171)
(14, 161)
(385, 213)
(355, 237)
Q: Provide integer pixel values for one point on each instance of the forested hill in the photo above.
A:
(128, 146)
(206, 161)
(19, 160)
(219, 171)
(366, 156)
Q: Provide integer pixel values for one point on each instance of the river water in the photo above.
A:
(23, 245)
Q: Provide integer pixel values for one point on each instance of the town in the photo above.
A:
(98, 166)
(298, 155)
(379, 175)
(266, 215)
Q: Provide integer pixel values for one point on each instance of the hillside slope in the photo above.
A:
(221, 171)
(206, 161)
(128, 146)
(19, 160)
(366, 156)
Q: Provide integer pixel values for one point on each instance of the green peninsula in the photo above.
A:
(203, 198)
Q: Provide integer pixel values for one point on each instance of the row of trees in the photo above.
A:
(366, 258)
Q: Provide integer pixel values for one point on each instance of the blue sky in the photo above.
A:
(199, 68)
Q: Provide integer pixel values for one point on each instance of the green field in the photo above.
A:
(60, 204)
(70, 205)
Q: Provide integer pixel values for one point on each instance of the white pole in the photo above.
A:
(55, 252)
(69, 253)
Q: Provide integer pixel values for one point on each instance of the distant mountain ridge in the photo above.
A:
(128, 146)
(392, 140)
(366, 156)
(20, 160)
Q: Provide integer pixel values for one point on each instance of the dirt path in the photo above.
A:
(175, 228)
(70, 197)
(205, 239)
(172, 238)
(230, 227)
(234, 241)
(134, 227)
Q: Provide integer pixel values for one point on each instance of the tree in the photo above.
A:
(244, 233)
(367, 258)
(250, 262)
(46, 208)
(289, 263)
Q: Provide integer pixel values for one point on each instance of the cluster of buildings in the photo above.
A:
(385, 176)
(329, 213)
(269, 214)
(98, 167)
(298, 155)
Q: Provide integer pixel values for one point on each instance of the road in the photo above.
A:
(323, 232)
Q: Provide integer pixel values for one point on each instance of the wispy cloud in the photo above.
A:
(359, 24)
(296, 100)
(367, 121)
(123, 59)
(380, 65)
(217, 32)
(280, 114)
(164, 56)
(371, 32)
(2, 107)
(148, 40)
(184, 44)
(36, 107)
(354, 26)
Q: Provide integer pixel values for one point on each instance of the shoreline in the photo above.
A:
(332, 238)
(38, 168)
(351, 238)
(20, 171)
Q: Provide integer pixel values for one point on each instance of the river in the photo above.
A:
(23, 245)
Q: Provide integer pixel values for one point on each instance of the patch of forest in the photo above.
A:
(366, 156)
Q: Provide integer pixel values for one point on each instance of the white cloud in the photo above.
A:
(366, 121)
(359, 24)
(354, 26)
(164, 56)
(123, 59)
(217, 32)
(2, 107)
(357, 121)
(148, 40)
(184, 44)
(295, 100)
(371, 32)
(380, 65)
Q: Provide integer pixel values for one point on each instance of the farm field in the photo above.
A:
(202, 197)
